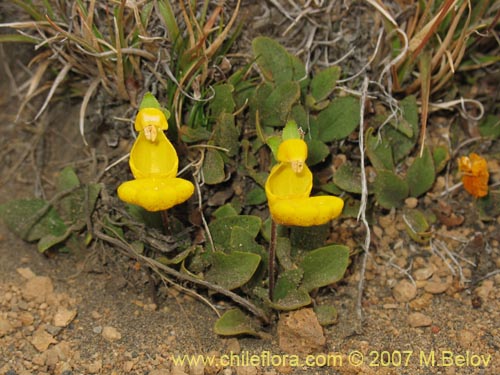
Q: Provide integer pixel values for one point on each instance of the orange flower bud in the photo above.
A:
(475, 174)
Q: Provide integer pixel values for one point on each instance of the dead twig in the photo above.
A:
(183, 277)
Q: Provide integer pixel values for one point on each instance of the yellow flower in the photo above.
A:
(288, 188)
(154, 164)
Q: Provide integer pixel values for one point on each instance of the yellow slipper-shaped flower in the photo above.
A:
(288, 188)
(154, 164)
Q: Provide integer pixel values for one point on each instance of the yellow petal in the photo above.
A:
(284, 183)
(153, 159)
(150, 117)
(306, 212)
(156, 194)
(292, 150)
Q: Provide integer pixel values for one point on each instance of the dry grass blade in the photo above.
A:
(364, 200)
(189, 27)
(120, 74)
(60, 77)
(27, 99)
(425, 92)
(37, 77)
(422, 38)
(83, 108)
(380, 7)
(215, 45)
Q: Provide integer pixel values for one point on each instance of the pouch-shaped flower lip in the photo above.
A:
(475, 174)
(153, 159)
(306, 212)
(284, 183)
(150, 117)
(156, 194)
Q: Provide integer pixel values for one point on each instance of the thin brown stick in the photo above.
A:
(272, 257)
(184, 277)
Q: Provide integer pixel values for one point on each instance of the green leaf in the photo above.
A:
(378, 151)
(235, 322)
(168, 16)
(421, 174)
(67, 180)
(323, 83)
(300, 116)
(287, 295)
(326, 314)
(401, 143)
(150, 219)
(348, 178)
(225, 211)
(290, 131)
(233, 270)
(78, 205)
(299, 72)
(417, 226)
(317, 152)
(242, 240)
(338, 120)
(390, 190)
(288, 280)
(255, 196)
(149, 101)
(441, 156)
(176, 259)
(32, 219)
(222, 228)
(226, 134)
(274, 143)
(213, 167)
(308, 238)
(283, 249)
(489, 206)
(324, 266)
(223, 101)
(50, 240)
(192, 135)
(276, 108)
(331, 188)
(410, 113)
(351, 207)
(490, 127)
(273, 60)
(17, 38)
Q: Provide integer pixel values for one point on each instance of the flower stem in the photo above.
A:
(165, 222)
(272, 257)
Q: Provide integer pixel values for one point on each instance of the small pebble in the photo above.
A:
(404, 291)
(411, 202)
(423, 273)
(111, 333)
(434, 287)
(417, 319)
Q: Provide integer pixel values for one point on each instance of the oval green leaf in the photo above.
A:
(233, 270)
(324, 266)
